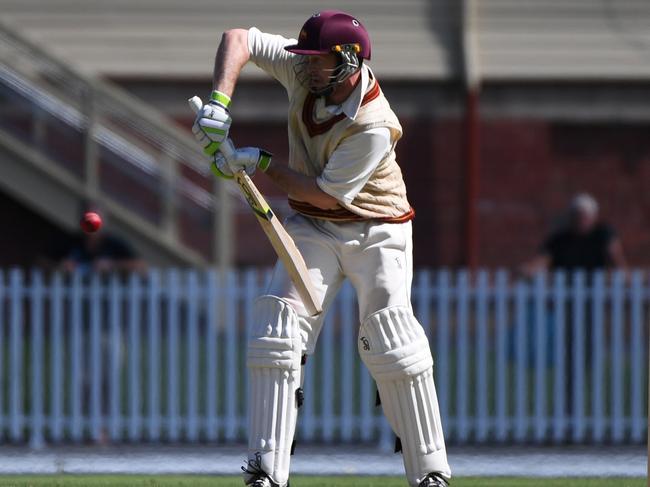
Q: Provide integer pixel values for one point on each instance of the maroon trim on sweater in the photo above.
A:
(345, 215)
(314, 128)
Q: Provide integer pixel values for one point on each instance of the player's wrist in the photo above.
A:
(221, 99)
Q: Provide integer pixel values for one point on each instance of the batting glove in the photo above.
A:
(212, 123)
(249, 159)
(220, 167)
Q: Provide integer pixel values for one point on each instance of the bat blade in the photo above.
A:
(282, 243)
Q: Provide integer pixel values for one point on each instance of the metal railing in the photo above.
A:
(113, 148)
(161, 357)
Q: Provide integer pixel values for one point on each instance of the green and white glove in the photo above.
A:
(212, 123)
(220, 167)
(249, 159)
(246, 158)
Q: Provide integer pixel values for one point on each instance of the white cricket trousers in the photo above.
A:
(377, 259)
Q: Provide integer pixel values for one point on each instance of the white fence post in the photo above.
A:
(482, 344)
(154, 353)
(560, 376)
(57, 353)
(618, 357)
(16, 355)
(443, 370)
(96, 359)
(193, 355)
(639, 364)
(37, 355)
(541, 354)
(578, 356)
(135, 321)
(501, 366)
(173, 390)
(211, 298)
(598, 356)
(521, 363)
(462, 355)
(114, 380)
(77, 362)
(231, 325)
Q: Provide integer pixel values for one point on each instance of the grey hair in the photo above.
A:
(585, 202)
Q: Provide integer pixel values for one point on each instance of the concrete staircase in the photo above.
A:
(65, 137)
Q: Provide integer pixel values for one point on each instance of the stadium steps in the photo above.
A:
(66, 138)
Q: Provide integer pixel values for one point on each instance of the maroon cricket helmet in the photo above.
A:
(326, 31)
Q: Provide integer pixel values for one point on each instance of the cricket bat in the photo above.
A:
(281, 241)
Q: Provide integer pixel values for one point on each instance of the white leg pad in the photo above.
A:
(396, 351)
(273, 359)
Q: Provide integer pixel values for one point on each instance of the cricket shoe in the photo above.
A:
(263, 481)
(254, 476)
(434, 479)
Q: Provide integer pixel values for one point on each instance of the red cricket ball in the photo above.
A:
(91, 222)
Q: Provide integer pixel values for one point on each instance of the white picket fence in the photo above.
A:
(160, 357)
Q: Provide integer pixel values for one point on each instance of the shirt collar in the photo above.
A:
(350, 107)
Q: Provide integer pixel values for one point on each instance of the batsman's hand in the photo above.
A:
(220, 167)
(249, 159)
(212, 123)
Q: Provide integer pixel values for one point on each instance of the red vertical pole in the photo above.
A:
(472, 176)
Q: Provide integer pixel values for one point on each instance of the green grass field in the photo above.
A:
(204, 481)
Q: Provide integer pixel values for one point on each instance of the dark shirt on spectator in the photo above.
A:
(589, 251)
(84, 255)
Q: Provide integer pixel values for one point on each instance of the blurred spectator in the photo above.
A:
(101, 251)
(583, 242)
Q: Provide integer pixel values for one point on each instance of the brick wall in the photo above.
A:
(529, 171)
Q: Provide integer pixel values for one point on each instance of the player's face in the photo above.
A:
(319, 69)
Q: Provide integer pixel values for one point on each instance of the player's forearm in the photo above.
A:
(300, 187)
(231, 57)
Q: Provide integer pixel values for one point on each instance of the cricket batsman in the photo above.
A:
(351, 220)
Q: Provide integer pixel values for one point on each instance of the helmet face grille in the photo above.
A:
(349, 63)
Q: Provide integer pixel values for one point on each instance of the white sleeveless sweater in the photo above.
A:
(312, 143)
